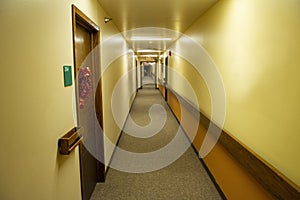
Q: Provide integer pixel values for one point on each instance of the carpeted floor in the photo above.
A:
(183, 179)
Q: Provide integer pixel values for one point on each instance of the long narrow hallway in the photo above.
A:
(186, 178)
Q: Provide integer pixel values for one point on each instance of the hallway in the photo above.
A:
(186, 178)
(73, 71)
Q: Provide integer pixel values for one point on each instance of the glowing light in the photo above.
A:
(148, 51)
(154, 56)
(150, 39)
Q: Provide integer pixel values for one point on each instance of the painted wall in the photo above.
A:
(255, 45)
(115, 112)
(36, 41)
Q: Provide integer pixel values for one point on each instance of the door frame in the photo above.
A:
(141, 73)
(155, 74)
(166, 77)
(136, 74)
(78, 17)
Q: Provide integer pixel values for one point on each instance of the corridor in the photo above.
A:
(212, 86)
(186, 178)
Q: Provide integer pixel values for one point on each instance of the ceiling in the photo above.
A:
(154, 24)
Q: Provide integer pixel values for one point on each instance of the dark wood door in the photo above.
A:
(166, 78)
(136, 74)
(84, 115)
(88, 101)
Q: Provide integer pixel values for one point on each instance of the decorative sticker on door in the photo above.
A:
(85, 85)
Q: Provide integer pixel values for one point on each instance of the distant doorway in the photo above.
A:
(148, 74)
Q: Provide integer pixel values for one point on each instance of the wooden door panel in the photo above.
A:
(88, 173)
(85, 110)
(82, 46)
(166, 78)
(85, 38)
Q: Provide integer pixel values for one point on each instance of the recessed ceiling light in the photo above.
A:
(148, 51)
(150, 39)
(154, 56)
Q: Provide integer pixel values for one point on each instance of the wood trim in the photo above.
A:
(161, 88)
(78, 17)
(211, 177)
(278, 185)
(83, 20)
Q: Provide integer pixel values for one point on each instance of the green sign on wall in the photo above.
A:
(67, 76)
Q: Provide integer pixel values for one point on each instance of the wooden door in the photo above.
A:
(166, 78)
(141, 74)
(88, 100)
(136, 75)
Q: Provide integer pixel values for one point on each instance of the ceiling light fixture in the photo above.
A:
(154, 56)
(107, 19)
(148, 51)
(150, 39)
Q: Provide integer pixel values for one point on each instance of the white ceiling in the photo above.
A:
(154, 18)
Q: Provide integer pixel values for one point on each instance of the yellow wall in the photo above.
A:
(36, 41)
(111, 76)
(179, 66)
(256, 46)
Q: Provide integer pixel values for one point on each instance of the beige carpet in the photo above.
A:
(183, 179)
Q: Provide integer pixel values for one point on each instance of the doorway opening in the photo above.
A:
(149, 74)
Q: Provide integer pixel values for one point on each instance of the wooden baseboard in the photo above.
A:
(277, 185)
